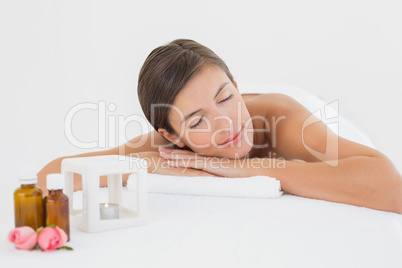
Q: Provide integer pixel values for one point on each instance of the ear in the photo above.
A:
(171, 137)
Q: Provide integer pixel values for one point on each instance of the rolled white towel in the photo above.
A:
(251, 187)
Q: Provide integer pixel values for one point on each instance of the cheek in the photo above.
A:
(198, 139)
(242, 114)
(239, 111)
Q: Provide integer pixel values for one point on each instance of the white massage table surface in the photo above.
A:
(199, 231)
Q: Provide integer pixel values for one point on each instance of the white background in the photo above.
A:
(57, 54)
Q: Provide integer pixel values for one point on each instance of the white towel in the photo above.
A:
(251, 187)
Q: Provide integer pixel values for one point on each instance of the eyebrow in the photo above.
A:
(216, 95)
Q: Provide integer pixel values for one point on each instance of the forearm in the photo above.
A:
(55, 167)
(140, 144)
(159, 165)
(156, 164)
(362, 181)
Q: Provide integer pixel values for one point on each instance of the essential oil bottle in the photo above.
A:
(56, 203)
(28, 202)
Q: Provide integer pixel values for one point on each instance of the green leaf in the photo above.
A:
(39, 230)
(36, 247)
(66, 248)
(51, 225)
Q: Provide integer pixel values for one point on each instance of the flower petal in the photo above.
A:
(63, 237)
(29, 243)
(20, 234)
(46, 239)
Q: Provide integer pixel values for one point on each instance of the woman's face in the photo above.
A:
(210, 116)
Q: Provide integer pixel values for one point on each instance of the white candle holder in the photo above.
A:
(91, 168)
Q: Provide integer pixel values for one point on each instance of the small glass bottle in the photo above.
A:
(56, 203)
(28, 201)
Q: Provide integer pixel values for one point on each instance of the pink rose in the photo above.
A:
(23, 237)
(51, 238)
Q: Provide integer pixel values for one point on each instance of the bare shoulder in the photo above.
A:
(291, 135)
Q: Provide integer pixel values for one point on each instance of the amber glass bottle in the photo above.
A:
(28, 202)
(56, 203)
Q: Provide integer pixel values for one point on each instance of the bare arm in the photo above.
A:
(348, 172)
(144, 146)
(368, 181)
(55, 167)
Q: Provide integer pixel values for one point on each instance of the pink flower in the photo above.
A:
(23, 237)
(51, 238)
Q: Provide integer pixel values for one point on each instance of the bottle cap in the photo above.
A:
(27, 175)
(55, 181)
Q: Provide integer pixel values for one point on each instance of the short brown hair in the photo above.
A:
(166, 71)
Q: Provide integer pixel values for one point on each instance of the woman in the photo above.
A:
(204, 126)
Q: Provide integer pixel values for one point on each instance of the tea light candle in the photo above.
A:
(109, 211)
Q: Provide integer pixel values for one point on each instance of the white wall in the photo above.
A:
(57, 54)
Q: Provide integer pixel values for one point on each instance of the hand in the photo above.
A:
(219, 166)
(184, 158)
(160, 165)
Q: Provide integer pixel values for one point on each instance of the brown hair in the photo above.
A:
(166, 71)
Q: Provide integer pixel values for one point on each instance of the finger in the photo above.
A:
(185, 158)
(181, 158)
(186, 163)
(177, 151)
(175, 156)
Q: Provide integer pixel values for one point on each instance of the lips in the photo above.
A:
(233, 138)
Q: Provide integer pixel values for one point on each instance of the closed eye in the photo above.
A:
(198, 123)
(228, 98)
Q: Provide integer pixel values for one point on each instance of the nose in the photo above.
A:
(224, 129)
(223, 125)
